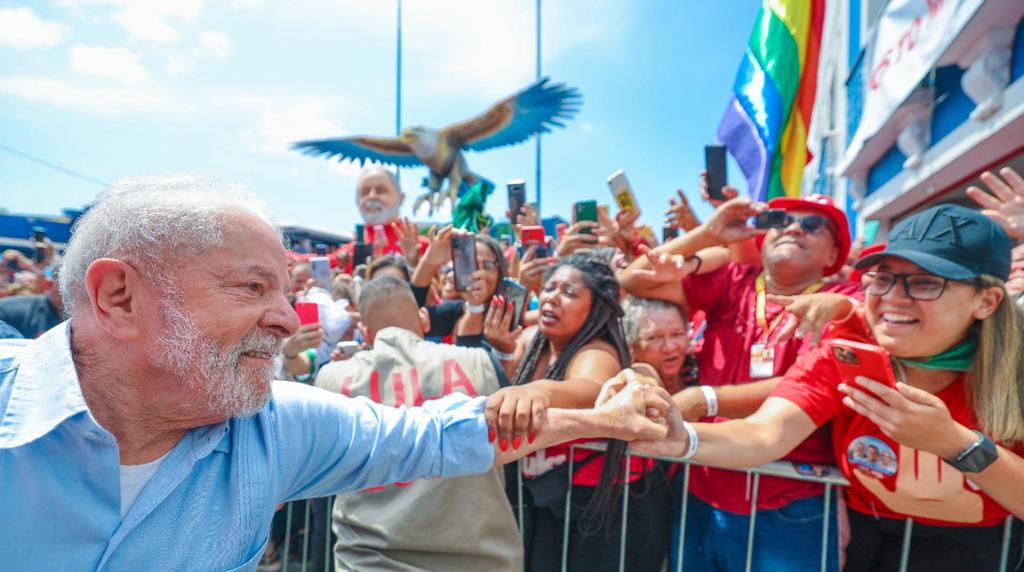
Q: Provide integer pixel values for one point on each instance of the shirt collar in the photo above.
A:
(45, 389)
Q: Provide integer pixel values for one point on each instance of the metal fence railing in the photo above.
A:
(828, 476)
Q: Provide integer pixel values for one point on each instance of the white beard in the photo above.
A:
(382, 216)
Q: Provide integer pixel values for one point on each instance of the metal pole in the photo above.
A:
(537, 158)
(287, 535)
(305, 537)
(568, 512)
(753, 521)
(824, 527)
(682, 517)
(327, 533)
(1004, 556)
(398, 87)
(519, 497)
(625, 514)
(908, 528)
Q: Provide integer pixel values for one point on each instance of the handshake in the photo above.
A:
(632, 406)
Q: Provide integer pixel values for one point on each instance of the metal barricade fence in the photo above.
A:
(776, 469)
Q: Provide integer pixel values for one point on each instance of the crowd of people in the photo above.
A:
(719, 347)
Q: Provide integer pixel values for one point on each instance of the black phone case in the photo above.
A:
(714, 164)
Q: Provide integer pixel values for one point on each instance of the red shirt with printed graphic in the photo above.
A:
(728, 298)
(886, 478)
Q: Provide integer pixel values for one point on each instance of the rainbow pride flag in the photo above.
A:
(765, 124)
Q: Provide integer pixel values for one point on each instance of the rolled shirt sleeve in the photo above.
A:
(328, 443)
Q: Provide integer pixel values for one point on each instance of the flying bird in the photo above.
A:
(512, 120)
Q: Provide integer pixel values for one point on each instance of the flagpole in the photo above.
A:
(537, 159)
(398, 87)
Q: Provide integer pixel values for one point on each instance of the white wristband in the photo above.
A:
(694, 441)
(502, 356)
(475, 308)
(711, 398)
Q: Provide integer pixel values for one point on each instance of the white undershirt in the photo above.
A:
(134, 479)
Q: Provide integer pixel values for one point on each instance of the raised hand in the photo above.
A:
(498, 327)
(810, 313)
(439, 251)
(728, 223)
(728, 191)
(680, 215)
(664, 268)
(576, 239)
(532, 268)
(308, 336)
(1006, 203)
(408, 233)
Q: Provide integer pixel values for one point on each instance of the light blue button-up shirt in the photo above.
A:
(209, 505)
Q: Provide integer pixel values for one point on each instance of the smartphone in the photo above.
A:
(623, 193)
(714, 165)
(516, 197)
(359, 233)
(515, 293)
(854, 359)
(320, 271)
(348, 348)
(463, 260)
(668, 233)
(534, 235)
(585, 211)
(38, 234)
(309, 312)
(771, 218)
(321, 249)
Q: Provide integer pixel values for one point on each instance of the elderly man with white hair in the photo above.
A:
(145, 433)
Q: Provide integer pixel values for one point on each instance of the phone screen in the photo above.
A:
(516, 293)
(463, 261)
(320, 271)
(585, 211)
(714, 164)
(516, 197)
(668, 233)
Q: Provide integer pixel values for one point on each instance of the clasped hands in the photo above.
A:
(632, 406)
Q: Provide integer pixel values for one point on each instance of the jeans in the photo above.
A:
(788, 538)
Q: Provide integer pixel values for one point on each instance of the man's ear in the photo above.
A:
(424, 316)
(116, 293)
(365, 333)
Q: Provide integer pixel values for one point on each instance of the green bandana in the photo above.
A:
(956, 358)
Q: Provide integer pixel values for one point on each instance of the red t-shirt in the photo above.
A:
(886, 478)
(589, 474)
(728, 297)
(391, 245)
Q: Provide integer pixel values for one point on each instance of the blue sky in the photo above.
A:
(114, 88)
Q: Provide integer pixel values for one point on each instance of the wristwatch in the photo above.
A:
(976, 457)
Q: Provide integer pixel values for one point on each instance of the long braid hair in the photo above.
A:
(603, 322)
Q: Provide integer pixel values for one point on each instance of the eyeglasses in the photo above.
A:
(811, 224)
(918, 286)
(653, 342)
(489, 265)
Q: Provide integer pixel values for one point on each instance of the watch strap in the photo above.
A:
(976, 457)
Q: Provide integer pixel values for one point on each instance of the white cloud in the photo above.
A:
(20, 28)
(281, 125)
(147, 20)
(119, 64)
(102, 100)
(216, 43)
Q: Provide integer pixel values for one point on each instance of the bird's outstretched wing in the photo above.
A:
(519, 116)
(361, 148)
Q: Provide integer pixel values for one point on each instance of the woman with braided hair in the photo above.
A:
(577, 344)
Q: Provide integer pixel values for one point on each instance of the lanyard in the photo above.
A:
(762, 303)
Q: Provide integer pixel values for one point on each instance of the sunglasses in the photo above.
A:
(811, 224)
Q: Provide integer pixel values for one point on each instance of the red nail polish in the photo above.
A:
(491, 435)
(517, 442)
(531, 438)
(504, 444)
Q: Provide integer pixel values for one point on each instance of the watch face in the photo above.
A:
(979, 457)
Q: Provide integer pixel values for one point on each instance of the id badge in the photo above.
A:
(762, 361)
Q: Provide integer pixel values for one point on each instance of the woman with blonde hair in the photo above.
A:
(951, 428)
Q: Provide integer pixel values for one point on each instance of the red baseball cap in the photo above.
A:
(822, 205)
(868, 251)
